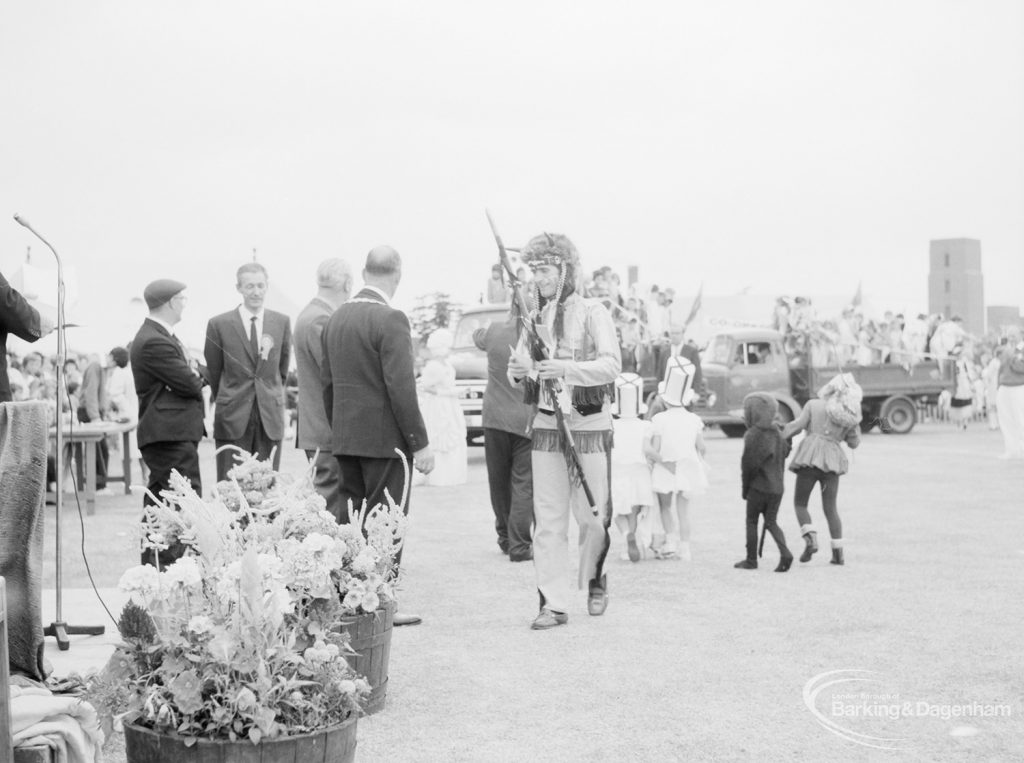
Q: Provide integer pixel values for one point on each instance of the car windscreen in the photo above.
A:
(470, 323)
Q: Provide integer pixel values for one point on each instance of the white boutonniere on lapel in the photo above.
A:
(266, 345)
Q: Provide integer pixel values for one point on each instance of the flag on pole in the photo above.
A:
(695, 307)
(859, 296)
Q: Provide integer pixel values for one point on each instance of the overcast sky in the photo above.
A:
(785, 147)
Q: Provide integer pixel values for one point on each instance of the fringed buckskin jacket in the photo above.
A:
(588, 339)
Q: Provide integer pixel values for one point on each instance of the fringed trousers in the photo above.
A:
(554, 496)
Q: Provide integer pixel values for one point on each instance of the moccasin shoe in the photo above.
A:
(597, 596)
(597, 602)
(548, 618)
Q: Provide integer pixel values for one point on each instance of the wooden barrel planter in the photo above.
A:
(370, 637)
(336, 744)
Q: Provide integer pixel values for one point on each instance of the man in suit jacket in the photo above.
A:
(170, 390)
(247, 352)
(677, 347)
(17, 317)
(313, 434)
(369, 389)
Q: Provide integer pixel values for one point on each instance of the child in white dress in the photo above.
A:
(679, 473)
(442, 415)
(632, 496)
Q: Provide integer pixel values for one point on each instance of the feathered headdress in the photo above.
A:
(557, 250)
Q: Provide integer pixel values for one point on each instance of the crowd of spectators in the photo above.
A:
(853, 339)
(648, 320)
(95, 389)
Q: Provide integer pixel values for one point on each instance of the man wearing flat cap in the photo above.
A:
(170, 389)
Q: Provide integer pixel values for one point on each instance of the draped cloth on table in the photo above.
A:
(23, 442)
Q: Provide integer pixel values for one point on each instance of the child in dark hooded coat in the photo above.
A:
(762, 467)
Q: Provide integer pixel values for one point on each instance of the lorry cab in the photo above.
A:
(738, 362)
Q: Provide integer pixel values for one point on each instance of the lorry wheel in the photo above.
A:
(733, 430)
(898, 416)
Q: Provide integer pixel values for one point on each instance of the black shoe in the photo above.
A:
(400, 619)
(811, 539)
(521, 556)
(785, 563)
(837, 557)
(503, 545)
(746, 564)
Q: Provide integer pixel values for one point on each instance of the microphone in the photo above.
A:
(21, 221)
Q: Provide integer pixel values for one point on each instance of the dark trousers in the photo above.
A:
(161, 458)
(367, 479)
(765, 504)
(326, 477)
(253, 440)
(510, 476)
(806, 479)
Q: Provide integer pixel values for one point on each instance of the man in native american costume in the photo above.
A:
(577, 376)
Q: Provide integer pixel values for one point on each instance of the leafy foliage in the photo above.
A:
(433, 311)
(241, 638)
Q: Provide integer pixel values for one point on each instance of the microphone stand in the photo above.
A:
(59, 629)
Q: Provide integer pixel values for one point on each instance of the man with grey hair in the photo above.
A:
(313, 434)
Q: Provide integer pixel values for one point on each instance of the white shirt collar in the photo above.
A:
(165, 324)
(247, 317)
(378, 292)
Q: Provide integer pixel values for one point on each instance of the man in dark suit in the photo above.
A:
(369, 388)
(313, 435)
(17, 317)
(170, 390)
(247, 352)
(678, 347)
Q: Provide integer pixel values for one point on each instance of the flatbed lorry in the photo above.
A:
(740, 361)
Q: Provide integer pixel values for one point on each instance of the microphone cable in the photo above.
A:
(78, 502)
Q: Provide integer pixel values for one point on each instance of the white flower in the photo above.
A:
(318, 543)
(370, 601)
(352, 600)
(365, 562)
(183, 572)
(200, 624)
(245, 699)
(320, 653)
(222, 647)
(143, 580)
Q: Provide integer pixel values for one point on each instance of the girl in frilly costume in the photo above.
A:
(831, 419)
(442, 415)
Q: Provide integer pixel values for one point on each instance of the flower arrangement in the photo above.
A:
(241, 638)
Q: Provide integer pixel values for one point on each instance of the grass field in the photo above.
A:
(698, 661)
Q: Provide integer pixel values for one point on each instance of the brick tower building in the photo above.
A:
(955, 283)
